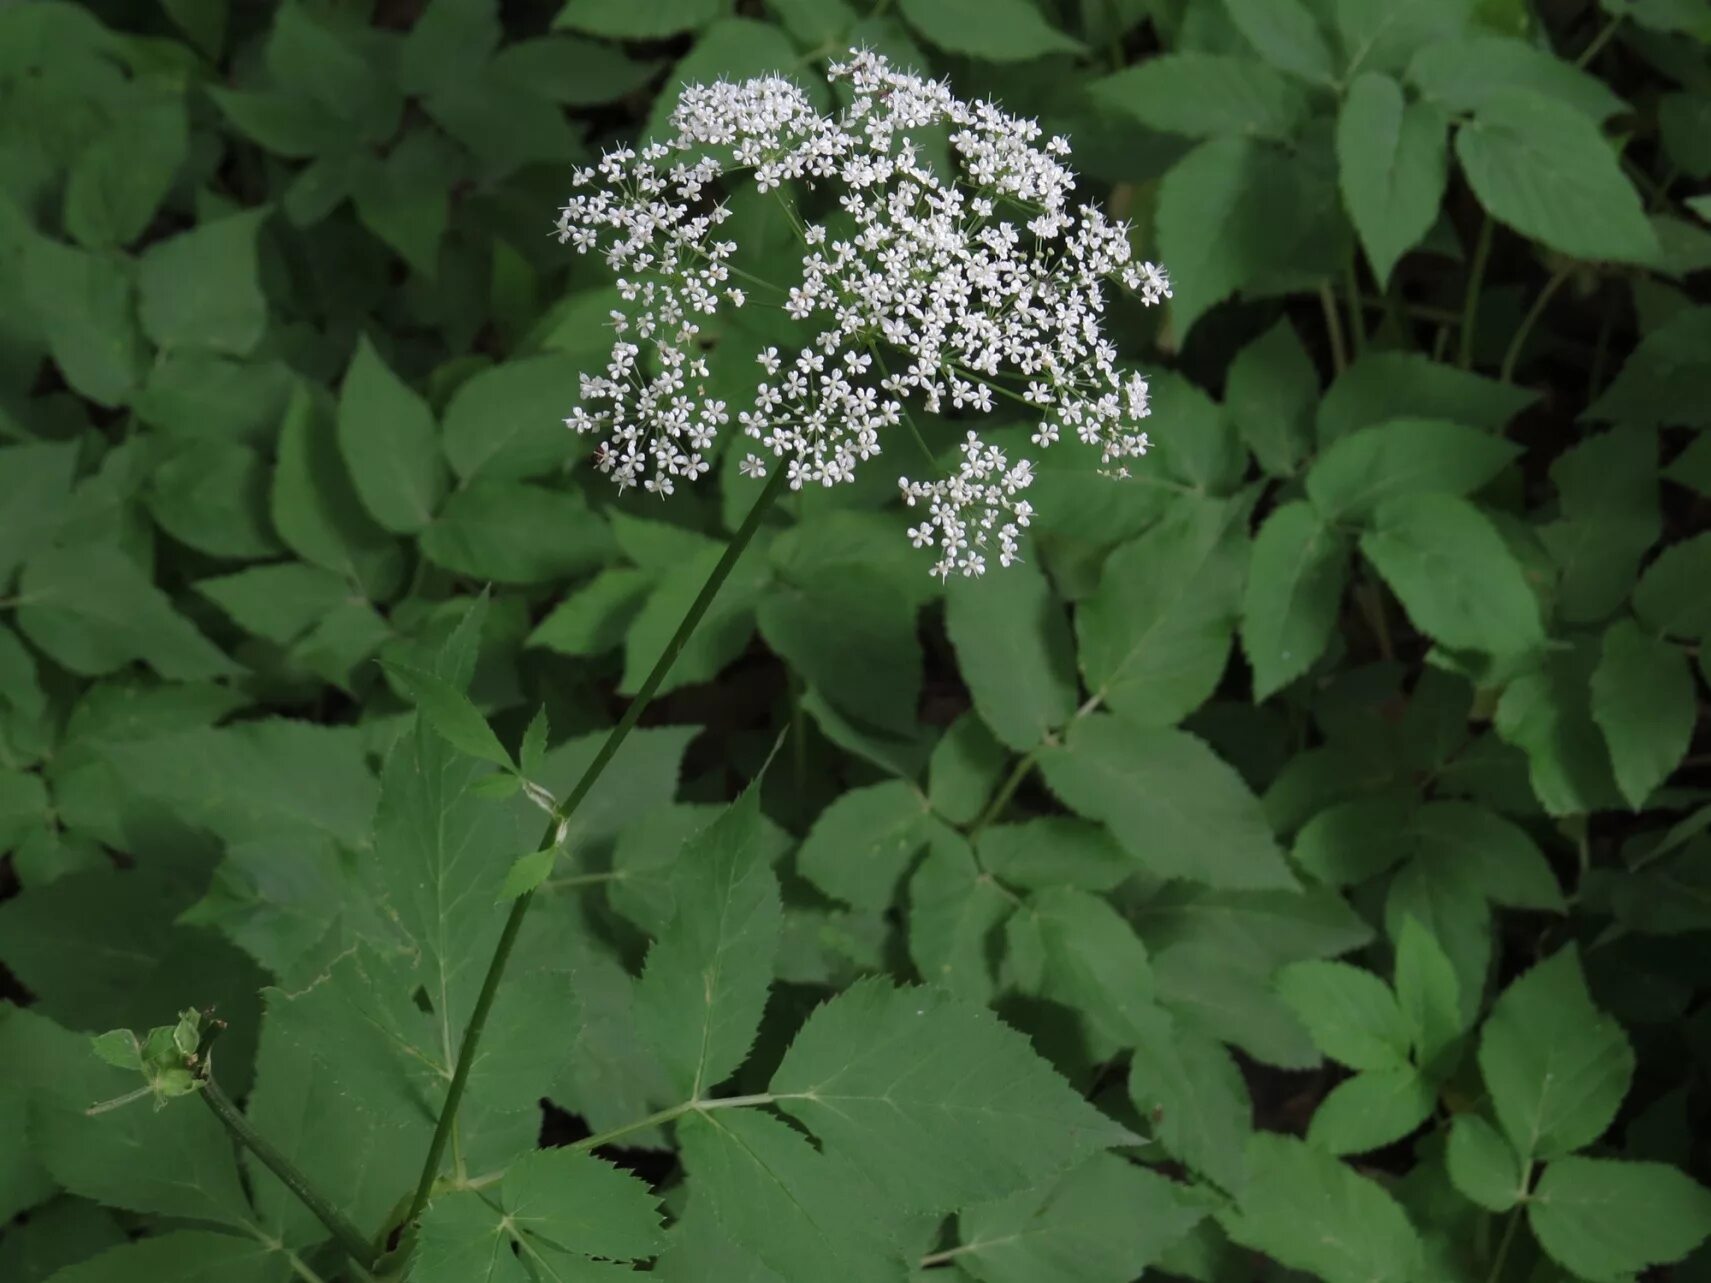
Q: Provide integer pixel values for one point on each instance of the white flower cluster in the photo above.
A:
(956, 291)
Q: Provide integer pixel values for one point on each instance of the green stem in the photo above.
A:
(1598, 42)
(346, 1235)
(1333, 328)
(520, 907)
(1006, 791)
(1513, 356)
(1503, 1243)
(1351, 287)
(1475, 282)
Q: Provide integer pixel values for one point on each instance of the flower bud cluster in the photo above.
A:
(951, 292)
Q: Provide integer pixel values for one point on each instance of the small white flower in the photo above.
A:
(970, 289)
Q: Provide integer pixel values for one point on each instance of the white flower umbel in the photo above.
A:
(953, 292)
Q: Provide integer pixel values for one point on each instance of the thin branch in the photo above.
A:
(346, 1235)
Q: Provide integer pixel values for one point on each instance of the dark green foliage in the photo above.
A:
(1300, 866)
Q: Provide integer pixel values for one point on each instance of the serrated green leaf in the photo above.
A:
(1428, 994)
(995, 30)
(1658, 383)
(1269, 394)
(1392, 162)
(1205, 95)
(705, 984)
(1093, 962)
(83, 305)
(1295, 581)
(1606, 1219)
(1352, 1014)
(35, 482)
(853, 639)
(190, 1170)
(1643, 701)
(314, 507)
(797, 1209)
(1307, 1211)
(1547, 713)
(1155, 636)
(450, 712)
(1403, 457)
(507, 423)
(515, 533)
(575, 1203)
(1286, 34)
(628, 20)
(955, 913)
(964, 770)
(592, 620)
(862, 843)
(1372, 1109)
(1455, 577)
(1543, 169)
(279, 602)
(1014, 651)
(182, 1256)
(1381, 386)
(462, 1239)
(386, 435)
(1189, 1089)
(212, 496)
(1669, 597)
(1482, 1165)
(1054, 851)
(1557, 1068)
(935, 1101)
(202, 288)
(1460, 75)
(1175, 807)
(93, 610)
(117, 183)
(1106, 1222)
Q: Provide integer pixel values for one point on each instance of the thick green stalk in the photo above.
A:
(520, 906)
(346, 1235)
